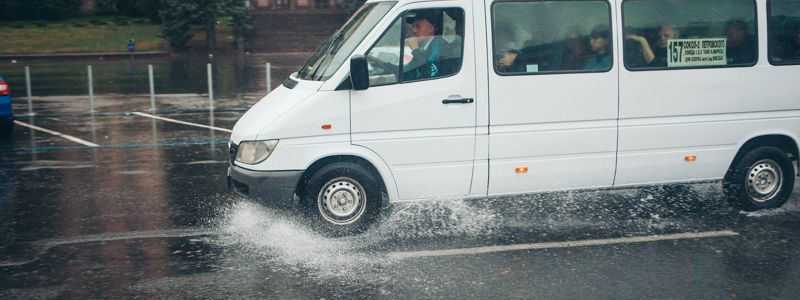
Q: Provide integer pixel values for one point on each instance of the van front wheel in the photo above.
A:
(762, 179)
(342, 198)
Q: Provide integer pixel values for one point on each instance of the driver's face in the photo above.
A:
(422, 28)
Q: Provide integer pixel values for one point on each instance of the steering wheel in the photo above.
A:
(380, 64)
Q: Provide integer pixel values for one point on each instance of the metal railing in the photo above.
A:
(151, 82)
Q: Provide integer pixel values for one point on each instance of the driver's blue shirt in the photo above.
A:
(427, 68)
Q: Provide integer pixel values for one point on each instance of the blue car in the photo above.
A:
(6, 114)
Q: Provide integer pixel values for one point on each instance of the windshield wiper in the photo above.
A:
(315, 60)
(335, 43)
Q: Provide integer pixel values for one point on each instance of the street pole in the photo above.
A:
(91, 89)
(269, 77)
(152, 89)
(210, 87)
(28, 88)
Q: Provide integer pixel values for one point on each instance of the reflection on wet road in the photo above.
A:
(146, 214)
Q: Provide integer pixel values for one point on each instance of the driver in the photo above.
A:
(426, 47)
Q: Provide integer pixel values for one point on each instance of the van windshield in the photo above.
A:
(336, 49)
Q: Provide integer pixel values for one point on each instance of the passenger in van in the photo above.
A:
(741, 45)
(655, 57)
(790, 46)
(507, 53)
(638, 52)
(575, 53)
(426, 47)
(600, 42)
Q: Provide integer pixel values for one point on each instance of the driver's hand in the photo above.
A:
(508, 59)
(413, 43)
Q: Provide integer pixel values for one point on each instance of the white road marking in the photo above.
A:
(69, 137)
(181, 122)
(569, 244)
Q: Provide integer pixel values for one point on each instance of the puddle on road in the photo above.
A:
(789, 207)
(253, 235)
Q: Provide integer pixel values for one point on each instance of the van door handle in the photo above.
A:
(458, 101)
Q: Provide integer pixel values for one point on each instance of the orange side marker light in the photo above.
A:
(521, 170)
(326, 126)
(690, 158)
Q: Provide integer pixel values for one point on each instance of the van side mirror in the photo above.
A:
(359, 74)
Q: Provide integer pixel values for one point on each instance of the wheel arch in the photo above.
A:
(385, 180)
(783, 141)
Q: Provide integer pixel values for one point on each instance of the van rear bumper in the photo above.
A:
(271, 187)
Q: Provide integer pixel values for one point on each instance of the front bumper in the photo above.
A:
(271, 187)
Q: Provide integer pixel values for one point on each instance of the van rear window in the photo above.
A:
(784, 32)
(540, 37)
(669, 34)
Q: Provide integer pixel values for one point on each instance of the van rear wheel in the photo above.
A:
(342, 198)
(762, 179)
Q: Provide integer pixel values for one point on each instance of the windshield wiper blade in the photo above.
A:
(312, 64)
(337, 40)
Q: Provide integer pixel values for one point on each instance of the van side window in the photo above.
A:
(420, 45)
(689, 34)
(784, 32)
(539, 37)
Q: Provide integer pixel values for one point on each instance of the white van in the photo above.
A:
(419, 100)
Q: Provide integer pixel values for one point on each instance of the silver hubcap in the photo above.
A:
(764, 180)
(341, 201)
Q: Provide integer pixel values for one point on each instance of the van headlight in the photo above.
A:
(254, 152)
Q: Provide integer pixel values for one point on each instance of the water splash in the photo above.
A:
(275, 237)
(440, 218)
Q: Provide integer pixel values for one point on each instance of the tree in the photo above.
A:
(38, 9)
(177, 16)
(176, 20)
(130, 8)
(241, 21)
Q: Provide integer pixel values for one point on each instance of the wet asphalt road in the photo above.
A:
(147, 215)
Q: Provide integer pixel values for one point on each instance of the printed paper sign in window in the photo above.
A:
(697, 52)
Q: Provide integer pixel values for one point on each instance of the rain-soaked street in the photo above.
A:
(124, 203)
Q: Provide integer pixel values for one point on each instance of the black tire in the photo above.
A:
(762, 179)
(347, 184)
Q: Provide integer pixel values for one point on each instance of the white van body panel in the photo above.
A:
(276, 103)
(655, 153)
(428, 145)
(710, 113)
(307, 117)
(562, 127)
